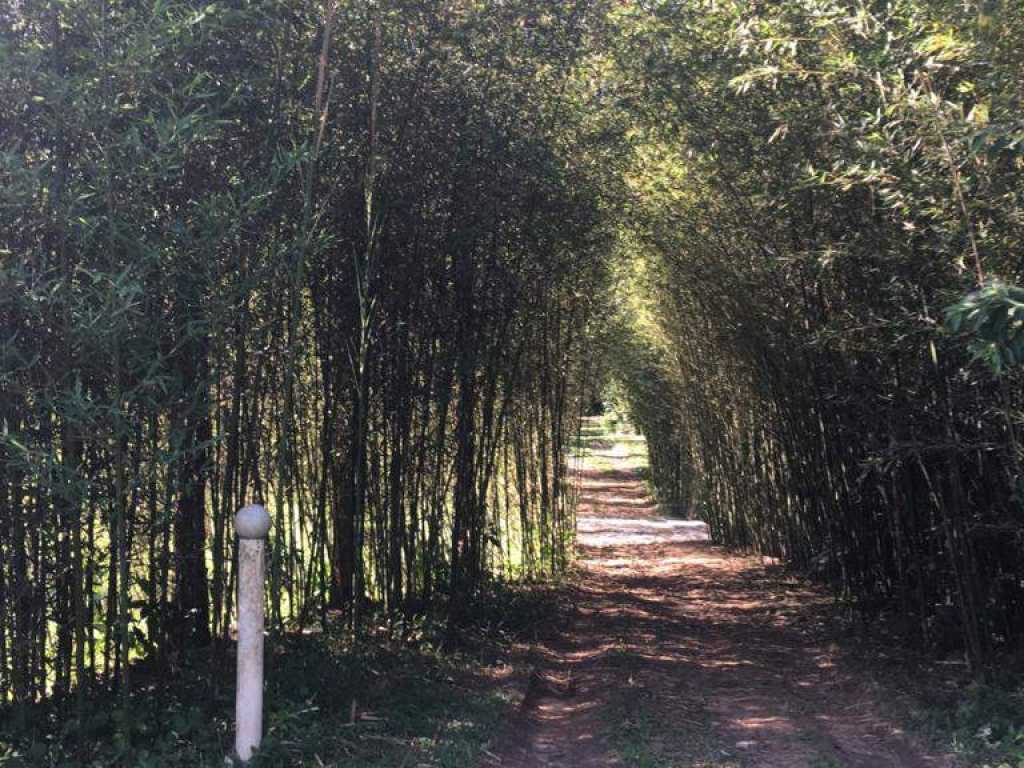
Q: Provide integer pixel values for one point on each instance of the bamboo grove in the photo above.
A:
(819, 182)
(332, 258)
(359, 261)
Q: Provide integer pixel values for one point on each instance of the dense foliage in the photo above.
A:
(330, 257)
(352, 259)
(818, 181)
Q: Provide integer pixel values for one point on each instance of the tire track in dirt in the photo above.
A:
(720, 656)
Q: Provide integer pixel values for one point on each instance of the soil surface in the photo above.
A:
(682, 654)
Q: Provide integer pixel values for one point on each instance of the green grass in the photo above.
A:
(414, 704)
(610, 442)
(645, 735)
(983, 723)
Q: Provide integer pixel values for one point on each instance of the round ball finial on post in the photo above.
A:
(252, 523)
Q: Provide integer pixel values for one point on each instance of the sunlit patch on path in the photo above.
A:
(627, 531)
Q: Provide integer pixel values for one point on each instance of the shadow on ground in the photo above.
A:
(681, 654)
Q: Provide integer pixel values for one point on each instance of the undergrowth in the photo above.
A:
(397, 695)
(984, 724)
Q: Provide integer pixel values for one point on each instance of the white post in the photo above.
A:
(252, 523)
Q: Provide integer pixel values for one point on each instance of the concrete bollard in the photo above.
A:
(252, 523)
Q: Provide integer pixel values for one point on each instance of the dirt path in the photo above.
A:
(681, 654)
